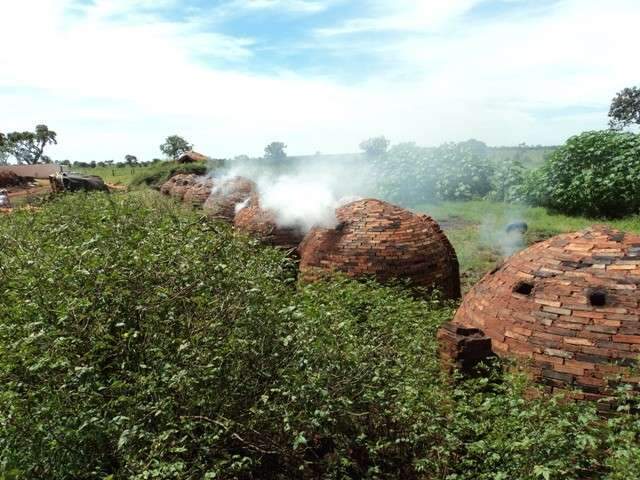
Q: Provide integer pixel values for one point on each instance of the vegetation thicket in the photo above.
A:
(155, 175)
(595, 174)
(145, 341)
(409, 174)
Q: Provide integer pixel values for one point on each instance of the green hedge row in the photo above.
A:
(138, 340)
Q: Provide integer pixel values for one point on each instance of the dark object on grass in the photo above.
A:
(76, 182)
(520, 227)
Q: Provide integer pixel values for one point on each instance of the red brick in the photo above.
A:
(579, 342)
(626, 338)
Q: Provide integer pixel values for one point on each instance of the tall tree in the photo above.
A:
(275, 150)
(4, 153)
(28, 147)
(625, 108)
(174, 146)
(376, 146)
(130, 159)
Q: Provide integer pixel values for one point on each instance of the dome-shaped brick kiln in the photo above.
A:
(262, 224)
(166, 187)
(568, 305)
(227, 196)
(375, 238)
(177, 185)
(198, 193)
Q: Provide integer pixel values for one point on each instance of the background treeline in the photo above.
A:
(593, 174)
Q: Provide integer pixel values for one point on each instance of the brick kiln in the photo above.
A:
(388, 242)
(199, 192)
(569, 306)
(225, 197)
(262, 224)
(177, 185)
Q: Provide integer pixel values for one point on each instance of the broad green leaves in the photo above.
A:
(594, 174)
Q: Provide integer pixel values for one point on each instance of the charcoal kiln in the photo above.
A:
(198, 193)
(262, 224)
(376, 239)
(225, 197)
(568, 307)
(179, 182)
(182, 182)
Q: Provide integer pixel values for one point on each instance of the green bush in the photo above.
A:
(462, 171)
(594, 174)
(404, 175)
(507, 181)
(410, 175)
(160, 173)
(138, 340)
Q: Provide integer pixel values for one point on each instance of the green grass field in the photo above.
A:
(476, 230)
(122, 175)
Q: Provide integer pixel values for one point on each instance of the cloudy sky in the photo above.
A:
(114, 77)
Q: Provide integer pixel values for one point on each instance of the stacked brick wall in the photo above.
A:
(462, 348)
(375, 238)
(568, 306)
(262, 224)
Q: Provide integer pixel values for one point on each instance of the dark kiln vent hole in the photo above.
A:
(523, 288)
(598, 298)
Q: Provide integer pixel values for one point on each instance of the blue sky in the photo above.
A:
(117, 76)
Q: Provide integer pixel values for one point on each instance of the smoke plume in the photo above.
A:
(305, 192)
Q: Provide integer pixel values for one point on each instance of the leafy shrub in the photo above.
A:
(162, 172)
(593, 174)
(462, 171)
(158, 342)
(405, 174)
(622, 440)
(507, 181)
(144, 341)
(409, 174)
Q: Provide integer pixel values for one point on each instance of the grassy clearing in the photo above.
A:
(122, 175)
(476, 229)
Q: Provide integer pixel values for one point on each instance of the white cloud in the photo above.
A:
(302, 6)
(403, 15)
(113, 83)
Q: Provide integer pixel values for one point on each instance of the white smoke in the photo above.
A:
(304, 194)
(494, 234)
(241, 206)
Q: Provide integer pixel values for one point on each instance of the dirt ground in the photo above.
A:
(19, 195)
